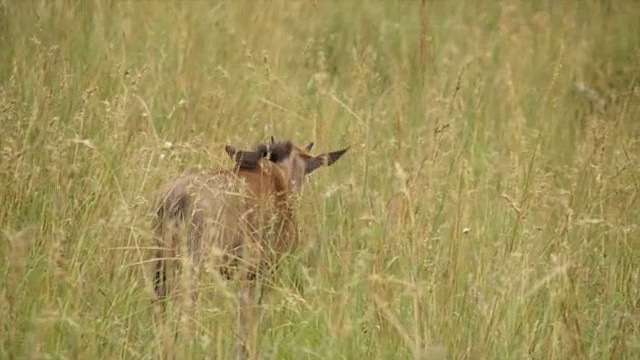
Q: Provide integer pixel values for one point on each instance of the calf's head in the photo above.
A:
(295, 161)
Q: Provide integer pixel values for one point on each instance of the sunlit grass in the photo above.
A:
(488, 207)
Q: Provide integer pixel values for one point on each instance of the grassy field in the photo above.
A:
(488, 207)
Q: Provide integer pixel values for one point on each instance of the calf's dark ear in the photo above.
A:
(335, 155)
(327, 159)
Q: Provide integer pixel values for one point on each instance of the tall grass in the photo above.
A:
(488, 208)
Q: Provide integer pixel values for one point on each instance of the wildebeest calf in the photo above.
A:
(240, 220)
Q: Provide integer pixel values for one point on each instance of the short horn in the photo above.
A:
(309, 147)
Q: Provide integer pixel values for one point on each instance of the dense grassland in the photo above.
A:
(488, 208)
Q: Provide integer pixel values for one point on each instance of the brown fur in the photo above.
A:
(241, 220)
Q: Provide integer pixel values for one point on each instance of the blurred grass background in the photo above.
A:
(488, 208)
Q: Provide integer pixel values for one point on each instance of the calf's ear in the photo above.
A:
(327, 159)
